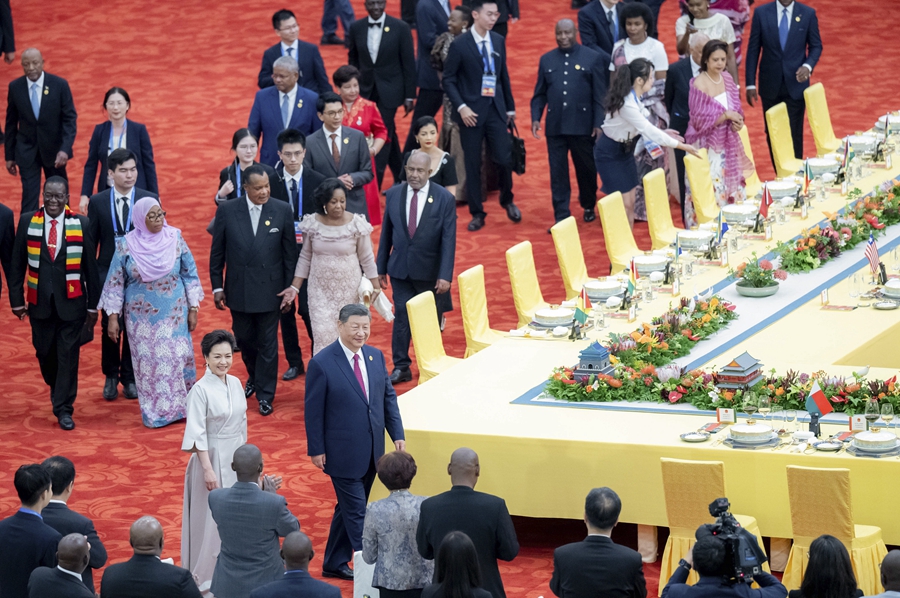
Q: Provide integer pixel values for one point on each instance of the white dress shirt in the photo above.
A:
(362, 364)
(119, 204)
(630, 120)
(373, 40)
(72, 573)
(295, 49)
(421, 199)
(292, 99)
(40, 89)
(695, 68)
(337, 139)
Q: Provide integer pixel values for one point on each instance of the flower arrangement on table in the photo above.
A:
(758, 273)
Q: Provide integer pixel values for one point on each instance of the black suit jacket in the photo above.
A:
(573, 89)
(597, 567)
(678, 88)
(594, 30)
(312, 68)
(54, 129)
(7, 37)
(463, 70)
(66, 521)
(431, 21)
(393, 75)
(102, 231)
(137, 140)
(311, 180)
(7, 237)
(294, 584)
(259, 267)
(430, 253)
(228, 174)
(26, 543)
(145, 576)
(47, 582)
(483, 517)
(52, 276)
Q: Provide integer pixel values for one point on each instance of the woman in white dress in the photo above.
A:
(699, 19)
(216, 427)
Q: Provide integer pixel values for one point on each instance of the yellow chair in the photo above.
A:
(820, 504)
(700, 180)
(752, 183)
(426, 337)
(567, 242)
(526, 290)
(820, 119)
(689, 487)
(782, 142)
(473, 306)
(617, 234)
(659, 215)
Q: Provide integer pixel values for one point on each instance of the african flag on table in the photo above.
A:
(849, 154)
(582, 307)
(817, 402)
(807, 176)
(632, 278)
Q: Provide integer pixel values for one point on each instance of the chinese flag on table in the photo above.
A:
(817, 402)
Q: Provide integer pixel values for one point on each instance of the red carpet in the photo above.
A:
(190, 67)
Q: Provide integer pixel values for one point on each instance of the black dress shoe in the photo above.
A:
(589, 215)
(477, 223)
(265, 408)
(66, 422)
(293, 372)
(111, 389)
(513, 212)
(399, 375)
(342, 572)
(129, 389)
(249, 389)
(331, 40)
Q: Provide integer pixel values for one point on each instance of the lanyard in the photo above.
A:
(112, 209)
(121, 137)
(487, 60)
(300, 198)
(237, 177)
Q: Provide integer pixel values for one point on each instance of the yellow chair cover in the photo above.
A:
(659, 215)
(617, 234)
(526, 290)
(473, 306)
(567, 242)
(689, 487)
(820, 504)
(426, 337)
(702, 192)
(782, 143)
(752, 184)
(820, 119)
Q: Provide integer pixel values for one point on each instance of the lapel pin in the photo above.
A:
(346, 140)
(430, 199)
(386, 29)
(797, 19)
(370, 358)
(577, 67)
(300, 104)
(46, 91)
(268, 223)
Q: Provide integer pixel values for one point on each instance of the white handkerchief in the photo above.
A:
(273, 230)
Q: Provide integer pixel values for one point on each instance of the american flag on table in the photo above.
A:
(872, 253)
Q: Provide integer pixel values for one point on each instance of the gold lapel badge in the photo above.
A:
(46, 91)
(267, 223)
(797, 19)
(300, 104)
(386, 29)
(346, 140)
(430, 199)
(370, 358)
(577, 67)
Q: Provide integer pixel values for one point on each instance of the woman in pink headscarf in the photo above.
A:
(153, 281)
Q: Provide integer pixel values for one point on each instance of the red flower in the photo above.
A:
(873, 221)
(765, 264)
(674, 396)
(648, 381)
(781, 274)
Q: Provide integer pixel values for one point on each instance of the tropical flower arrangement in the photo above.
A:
(864, 216)
(758, 273)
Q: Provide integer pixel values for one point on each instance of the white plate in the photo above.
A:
(874, 450)
(695, 436)
(885, 305)
(829, 446)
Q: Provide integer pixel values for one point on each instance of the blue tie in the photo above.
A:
(486, 58)
(783, 28)
(35, 104)
(294, 201)
(285, 108)
(289, 51)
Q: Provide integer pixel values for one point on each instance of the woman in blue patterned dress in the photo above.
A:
(153, 280)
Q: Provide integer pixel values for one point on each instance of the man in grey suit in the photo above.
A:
(250, 520)
(340, 152)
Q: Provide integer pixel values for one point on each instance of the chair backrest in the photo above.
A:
(752, 183)
(819, 118)
(689, 487)
(702, 192)
(425, 328)
(779, 126)
(567, 242)
(473, 305)
(659, 216)
(617, 234)
(526, 290)
(820, 502)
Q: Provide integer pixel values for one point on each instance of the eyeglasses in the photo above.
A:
(115, 103)
(157, 217)
(333, 113)
(56, 196)
(291, 155)
(290, 27)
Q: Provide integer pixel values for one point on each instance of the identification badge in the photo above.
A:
(653, 148)
(297, 232)
(488, 86)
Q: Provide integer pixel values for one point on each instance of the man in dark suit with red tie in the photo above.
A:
(350, 402)
(53, 249)
(417, 250)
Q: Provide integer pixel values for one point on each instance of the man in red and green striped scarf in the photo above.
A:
(54, 281)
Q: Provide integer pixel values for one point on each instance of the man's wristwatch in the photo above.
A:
(685, 564)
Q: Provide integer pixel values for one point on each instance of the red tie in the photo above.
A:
(359, 377)
(413, 213)
(51, 244)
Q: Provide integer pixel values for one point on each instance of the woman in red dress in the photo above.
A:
(362, 115)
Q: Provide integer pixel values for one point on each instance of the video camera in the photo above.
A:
(744, 558)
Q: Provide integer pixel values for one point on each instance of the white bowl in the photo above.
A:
(803, 435)
(782, 188)
(820, 166)
(739, 212)
(602, 289)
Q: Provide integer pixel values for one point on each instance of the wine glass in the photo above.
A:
(872, 414)
(778, 419)
(764, 405)
(895, 258)
(750, 407)
(790, 415)
(854, 286)
(887, 414)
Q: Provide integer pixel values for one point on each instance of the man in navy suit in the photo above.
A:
(417, 249)
(40, 127)
(287, 105)
(312, 68)
(787, 35)
(297, 551)
(477, 83)
(64, 580)
(26, 542)
(598, 23)
(574, 115)
(431, 21)
(350, 402)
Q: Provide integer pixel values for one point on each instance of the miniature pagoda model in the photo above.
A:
(593, 361)
(742, 373)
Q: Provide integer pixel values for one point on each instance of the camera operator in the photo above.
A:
(709, 558)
